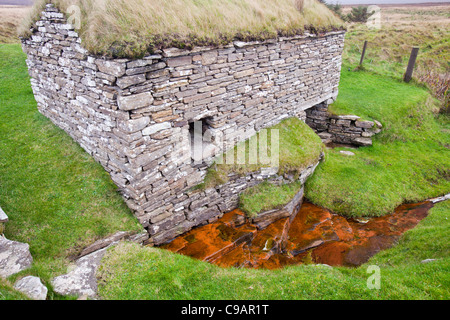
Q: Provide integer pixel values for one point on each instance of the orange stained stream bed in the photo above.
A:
(313, 235)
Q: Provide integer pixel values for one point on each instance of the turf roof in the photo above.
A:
(134, 28)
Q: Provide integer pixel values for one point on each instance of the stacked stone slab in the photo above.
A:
(133, 116)
(345, 129)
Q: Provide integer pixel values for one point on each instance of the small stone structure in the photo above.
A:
(345, 129)
(136, 117)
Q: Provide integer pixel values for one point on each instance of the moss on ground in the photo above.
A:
(267, 196)
(298, 147)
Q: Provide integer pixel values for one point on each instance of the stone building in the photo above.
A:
(137, 117)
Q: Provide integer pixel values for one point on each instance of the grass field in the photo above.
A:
(58, 199)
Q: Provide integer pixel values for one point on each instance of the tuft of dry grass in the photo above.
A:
(10, 18)
(132, 28)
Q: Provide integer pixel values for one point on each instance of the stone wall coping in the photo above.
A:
(176, 52)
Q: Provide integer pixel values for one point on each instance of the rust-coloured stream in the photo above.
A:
(313, 235)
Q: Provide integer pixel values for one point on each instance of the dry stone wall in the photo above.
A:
(342, 129)
(136, 116)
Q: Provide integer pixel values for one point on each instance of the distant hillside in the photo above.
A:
(17, 2)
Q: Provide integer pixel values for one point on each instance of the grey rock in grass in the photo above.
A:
(32, 287)
(347, 153)
(14, 257)
(81, 279)
(103, 243)
(439, 199)
(363, 142)
(427, 260)
(3, 216)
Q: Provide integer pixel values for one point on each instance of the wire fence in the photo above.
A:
(437, 83)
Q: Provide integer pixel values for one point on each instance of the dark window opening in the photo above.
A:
(202, 146)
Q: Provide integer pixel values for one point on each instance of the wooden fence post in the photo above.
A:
(412, 60)
(363, 52)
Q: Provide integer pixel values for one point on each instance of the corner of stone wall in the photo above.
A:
(341, 129)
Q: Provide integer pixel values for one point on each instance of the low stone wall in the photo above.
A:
(135, 116)
(345, 129)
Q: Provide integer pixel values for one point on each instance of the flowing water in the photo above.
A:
(313, 235)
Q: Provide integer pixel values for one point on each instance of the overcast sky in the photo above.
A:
(383, 1)
(26, 2)
(18, 2)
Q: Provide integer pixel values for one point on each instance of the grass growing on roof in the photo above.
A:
(7, 291)
(299, 147)
(132, 28)
(267, 196)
